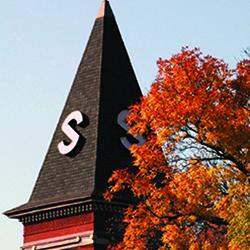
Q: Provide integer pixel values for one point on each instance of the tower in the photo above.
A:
(66, 209)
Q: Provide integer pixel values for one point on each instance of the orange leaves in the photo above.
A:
(119, 179)
(172, 237)
(194, 190)
(192, 174)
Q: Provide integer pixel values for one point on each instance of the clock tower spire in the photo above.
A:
(66, 209)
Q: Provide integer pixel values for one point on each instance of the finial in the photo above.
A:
(101, 12)
(105, 9)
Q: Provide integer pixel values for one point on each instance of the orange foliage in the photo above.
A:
(193, 171)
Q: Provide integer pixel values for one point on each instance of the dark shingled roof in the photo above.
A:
(104, 85)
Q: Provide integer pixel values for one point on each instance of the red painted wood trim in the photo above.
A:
(59, 227)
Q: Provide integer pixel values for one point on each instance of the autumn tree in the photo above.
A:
(190, 179)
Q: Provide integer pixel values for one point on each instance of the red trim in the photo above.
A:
(59, 227)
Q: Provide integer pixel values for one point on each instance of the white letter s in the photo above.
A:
(66, 148)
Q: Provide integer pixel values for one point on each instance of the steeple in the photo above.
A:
(104, 85)
(88, 142)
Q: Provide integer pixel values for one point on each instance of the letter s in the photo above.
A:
(64, 147)
(121, 120)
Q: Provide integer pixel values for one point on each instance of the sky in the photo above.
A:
(40, 48)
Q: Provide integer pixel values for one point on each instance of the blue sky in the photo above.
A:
(40, 48)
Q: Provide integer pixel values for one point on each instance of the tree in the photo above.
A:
(191, 176)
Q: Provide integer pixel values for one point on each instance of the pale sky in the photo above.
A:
(41, 45)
